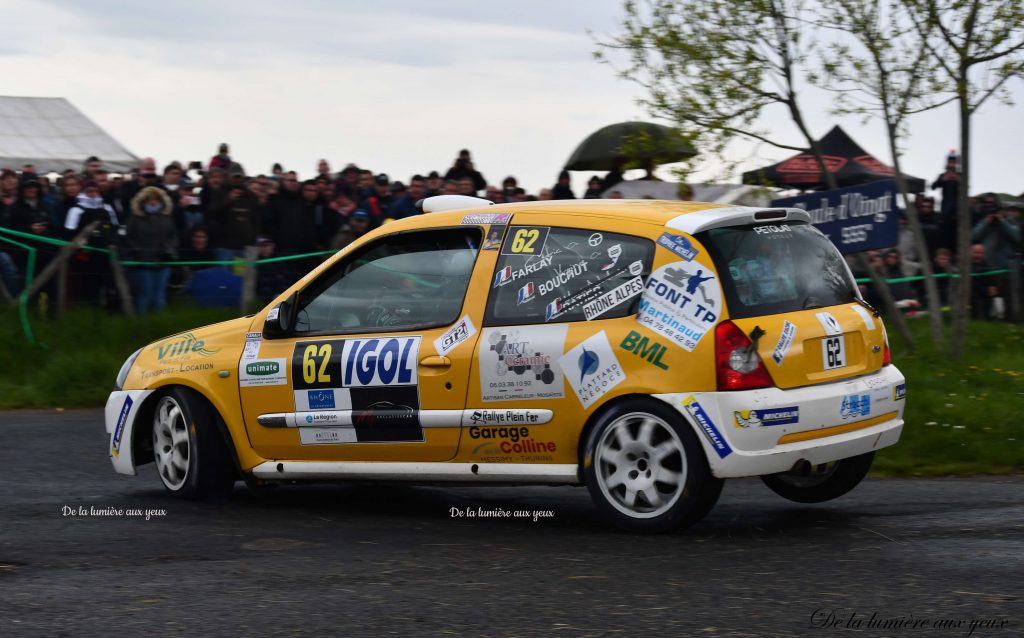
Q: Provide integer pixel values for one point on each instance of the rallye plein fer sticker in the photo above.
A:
(592, 369)
(682, 301)
(786, 338)
(365, 388)
(520, 363)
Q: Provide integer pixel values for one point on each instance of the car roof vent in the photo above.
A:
(440, 203)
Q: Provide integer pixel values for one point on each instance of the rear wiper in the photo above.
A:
(873, 310)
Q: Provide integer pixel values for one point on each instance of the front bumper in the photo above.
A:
(757, 432)
(120, 415)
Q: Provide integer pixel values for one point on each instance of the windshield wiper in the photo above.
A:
(873, 310)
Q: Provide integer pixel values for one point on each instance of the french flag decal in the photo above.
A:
(525, 294)
(553, 310)
(503, 276)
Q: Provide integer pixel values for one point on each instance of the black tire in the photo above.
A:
(822, 482)
(645, 449)
(191, 457)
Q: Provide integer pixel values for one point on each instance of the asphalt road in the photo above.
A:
(391, 560)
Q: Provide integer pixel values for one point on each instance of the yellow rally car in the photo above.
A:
(646, 349)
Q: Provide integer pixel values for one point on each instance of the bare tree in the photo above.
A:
(977, 47)
(713, 67)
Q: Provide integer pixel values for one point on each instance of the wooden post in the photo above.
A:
(124, 291)
(249, 279)
(62, 289)
(1014, 293)
(62, 257)
(5, 294)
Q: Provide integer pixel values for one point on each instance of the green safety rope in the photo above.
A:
(30, 268)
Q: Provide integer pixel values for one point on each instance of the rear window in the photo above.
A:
(769, 269)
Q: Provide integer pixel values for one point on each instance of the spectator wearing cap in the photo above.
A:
(358, 225)
(463, 167)
(348, 181)
(562, 190)
(434, 184)
(236, 223)
(271, 278)
(151, 237)
(222, 159)
(508, 188)
(594, 188)
(30, 216)
(466, 187)
(378, 202)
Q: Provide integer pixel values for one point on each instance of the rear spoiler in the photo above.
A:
(693, 223)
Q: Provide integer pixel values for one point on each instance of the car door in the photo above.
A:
(564, 287)
(377, 365)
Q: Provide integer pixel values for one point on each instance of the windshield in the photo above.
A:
(776, 268)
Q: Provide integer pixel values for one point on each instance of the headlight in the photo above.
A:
(125, 369)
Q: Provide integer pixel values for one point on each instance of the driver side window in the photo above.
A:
(405, 281)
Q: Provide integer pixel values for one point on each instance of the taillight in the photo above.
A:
(738, 364)
(887, 357)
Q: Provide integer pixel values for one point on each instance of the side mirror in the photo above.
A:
(281, 320)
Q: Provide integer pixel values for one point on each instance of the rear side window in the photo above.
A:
(776, 268)
(551, 275)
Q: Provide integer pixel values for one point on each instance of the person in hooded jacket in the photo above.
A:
(151, 236)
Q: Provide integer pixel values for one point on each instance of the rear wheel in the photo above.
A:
(191, 457)
(822, 482)
(646, 470)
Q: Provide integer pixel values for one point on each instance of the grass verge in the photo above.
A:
(960, 415)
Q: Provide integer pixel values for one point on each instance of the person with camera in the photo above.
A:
(90, 270)
(463, 167)
(151, 236)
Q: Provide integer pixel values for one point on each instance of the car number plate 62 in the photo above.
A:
(833, 352)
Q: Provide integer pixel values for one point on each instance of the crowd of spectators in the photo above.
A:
(995, 248)
(212, 212)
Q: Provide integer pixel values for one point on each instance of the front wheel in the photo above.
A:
(823, 482)
(646, 470)
(192, 459)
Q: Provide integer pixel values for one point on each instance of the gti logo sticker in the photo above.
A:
(263, 372)
(773, 416)
(681, 301)
(679, 245)
(786, 339)
(707, 425)
(380, 362)
(522, 363)
(455, 335)
(592, 369)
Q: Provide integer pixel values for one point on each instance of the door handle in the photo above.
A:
(435, 361)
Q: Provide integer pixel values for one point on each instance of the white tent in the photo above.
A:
(50, 133)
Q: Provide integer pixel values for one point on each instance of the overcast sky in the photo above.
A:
(396, 86)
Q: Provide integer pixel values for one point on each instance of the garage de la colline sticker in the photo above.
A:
(592, 369)
(682, 301)
(521, 363)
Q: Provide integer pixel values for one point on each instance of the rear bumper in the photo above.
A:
(757, 432)
(120, 415)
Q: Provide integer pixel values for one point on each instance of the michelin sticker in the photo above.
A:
(786, 339)
(521, 363)
(592, 369)
(263, 372)
(765, 417)
(681, 301)
(455, 335)
(679, 245)
(695, 410)
(122, 419)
